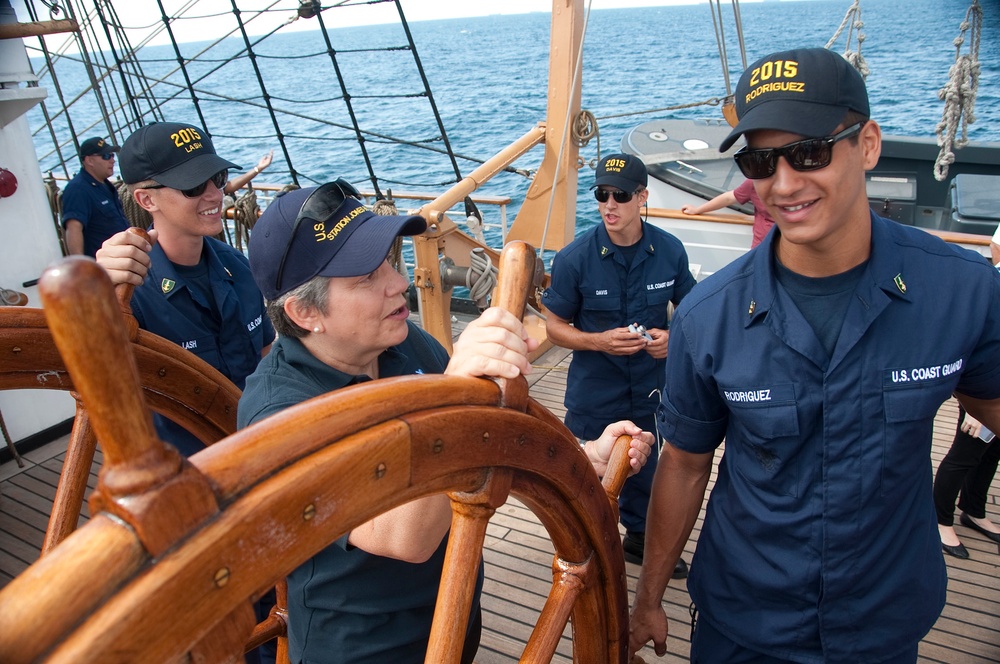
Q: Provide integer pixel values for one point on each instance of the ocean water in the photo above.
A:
(488, 78)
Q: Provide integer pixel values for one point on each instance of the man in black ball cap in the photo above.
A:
(190, 287)
(609, 302)
(820, 542)
(91, 209)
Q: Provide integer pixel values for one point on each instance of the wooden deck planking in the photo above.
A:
(519, 555)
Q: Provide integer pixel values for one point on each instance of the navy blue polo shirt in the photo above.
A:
(595, 288)
(345, 604)
(167, 306)
(820, 542)
(96, 205)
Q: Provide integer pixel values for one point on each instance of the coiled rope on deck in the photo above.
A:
(481, 278)
(387, 207)
(959, 93)
(853, 19)
(246, 210)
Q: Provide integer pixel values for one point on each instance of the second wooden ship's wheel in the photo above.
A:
(177, 550)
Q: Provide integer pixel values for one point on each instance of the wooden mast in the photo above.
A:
(556, 180)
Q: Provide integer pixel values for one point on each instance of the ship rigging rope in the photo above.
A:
(385, 206)
(144, 92)
(959, 93)
(720, 40)
(246, 211)
(852, 19)
(137, 216)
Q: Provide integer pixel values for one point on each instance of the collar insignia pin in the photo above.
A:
(604, 251)
(900, 284)
(753, 305)
(167, 285)
(227, 271)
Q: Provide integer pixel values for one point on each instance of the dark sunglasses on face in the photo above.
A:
(108, 156)
(219, 180)
(319, 206)
(810, 154)
(602, 195)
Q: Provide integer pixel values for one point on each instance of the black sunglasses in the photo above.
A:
(219, 180)
(602, 195)
(319, 206)
(810, 154)
(108, 156)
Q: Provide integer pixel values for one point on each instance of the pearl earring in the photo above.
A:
(316, 329)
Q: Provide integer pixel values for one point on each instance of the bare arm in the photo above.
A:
(74, 236)
(410, 532)
(241, 181)
(995, 252)
(725, 199)
(677, 494)
(616, 341)
(495, 344)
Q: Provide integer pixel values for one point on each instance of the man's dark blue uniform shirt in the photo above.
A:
(96, 206)
(595, 289)
(166, 306)
(820, 541)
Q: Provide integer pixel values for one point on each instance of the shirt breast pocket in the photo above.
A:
(909, 421)
(766, 446)
(657, 306)
(602, 312)
(205, 348)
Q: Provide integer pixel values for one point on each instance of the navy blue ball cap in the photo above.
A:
(174, 154)
(96, 145)
(350, 242)
(623, 171)
(805, 91)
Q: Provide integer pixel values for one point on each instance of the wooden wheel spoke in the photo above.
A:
(72, 485)
(471, 513)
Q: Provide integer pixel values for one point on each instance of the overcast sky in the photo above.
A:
(134, 13)
(215, 15)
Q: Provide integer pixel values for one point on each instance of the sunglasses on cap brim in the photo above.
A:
(810, 154)
(319, 206)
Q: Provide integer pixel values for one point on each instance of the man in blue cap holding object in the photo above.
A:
(821, 358)
(609, 301)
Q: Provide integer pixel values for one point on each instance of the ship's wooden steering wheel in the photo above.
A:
(177, 549)
(174, 382)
